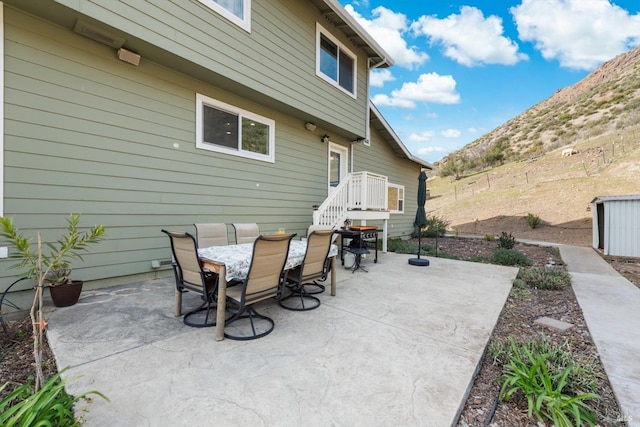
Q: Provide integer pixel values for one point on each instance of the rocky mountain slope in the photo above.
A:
(606, 102)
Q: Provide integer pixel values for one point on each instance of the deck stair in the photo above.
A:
(361, 196)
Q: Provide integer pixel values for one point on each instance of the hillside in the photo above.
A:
(605, 103)
(557, 189)
(490, 185)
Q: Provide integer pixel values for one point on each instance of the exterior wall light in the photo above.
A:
(310, 126)
(324, 139)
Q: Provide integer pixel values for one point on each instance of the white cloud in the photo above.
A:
(450, 133)
(388, 29)
(379, 77)
(430, 87)
(382, 100)
(428, 150)
(424, 136)
(579, 34)
(469, 38)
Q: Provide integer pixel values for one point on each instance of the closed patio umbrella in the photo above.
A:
(421, 218)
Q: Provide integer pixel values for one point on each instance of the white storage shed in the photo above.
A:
(616, 225)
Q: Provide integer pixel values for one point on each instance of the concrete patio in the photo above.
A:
(397, 346)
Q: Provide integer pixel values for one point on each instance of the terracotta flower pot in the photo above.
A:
(66, 295)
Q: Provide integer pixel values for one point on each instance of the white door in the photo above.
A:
(338, 165)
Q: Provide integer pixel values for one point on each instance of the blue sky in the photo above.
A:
(464, 68)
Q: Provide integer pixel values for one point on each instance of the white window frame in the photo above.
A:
(398, 187)
(321, 31)
(244, 22)
(202, 100)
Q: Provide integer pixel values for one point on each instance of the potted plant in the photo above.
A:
(53, 267)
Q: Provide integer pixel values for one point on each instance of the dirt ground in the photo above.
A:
(577, 233)
(516, 320)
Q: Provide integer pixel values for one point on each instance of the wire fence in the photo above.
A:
(586, 162)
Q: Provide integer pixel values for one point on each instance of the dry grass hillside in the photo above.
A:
(490, 185)
(557, 189)
(606, 103)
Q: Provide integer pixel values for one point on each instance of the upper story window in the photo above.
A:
(228, 129)
(236, 11)
(395, 198)
(334, 62)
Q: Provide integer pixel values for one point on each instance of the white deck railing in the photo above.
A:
(358, 191)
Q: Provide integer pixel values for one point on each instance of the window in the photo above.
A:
(395, 198)
(236, 11)
(227, 129)
(334, 62)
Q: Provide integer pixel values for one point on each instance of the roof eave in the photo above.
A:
(393, 138)
(379, 58)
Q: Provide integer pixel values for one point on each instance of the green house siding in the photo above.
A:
(187, 36)
(85, 132)
(379, 158)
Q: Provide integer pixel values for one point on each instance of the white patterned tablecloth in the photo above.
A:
(237, 258)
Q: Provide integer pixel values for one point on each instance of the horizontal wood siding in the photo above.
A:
(276, 59)
(87, 133)
(379, 158)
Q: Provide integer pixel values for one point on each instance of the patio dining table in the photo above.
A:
(231, 262)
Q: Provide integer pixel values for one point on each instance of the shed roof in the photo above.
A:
(616, 198)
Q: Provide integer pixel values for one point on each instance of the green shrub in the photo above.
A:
(504, 256)
(49, 406)
(527, 372)
(392, 243)
(435, 225)
(476, 258)
(506, 241)
(583, 378)
(489, 237)
(401, 246)
(448, 168)
(428, 249)
(446, 255)
(533, 220)
(551, 278)
(520, 289)
(494, 155)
